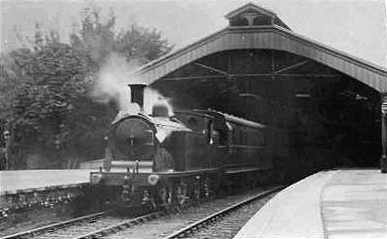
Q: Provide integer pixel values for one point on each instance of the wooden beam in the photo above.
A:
(203, 77)
(268, 75)
(291, 66)
(211, 68)
(288, 75)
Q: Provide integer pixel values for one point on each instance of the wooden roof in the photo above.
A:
(252, 8)
(266, 37)
(249, 6)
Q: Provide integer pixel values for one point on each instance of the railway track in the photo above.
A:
(101, 224)
(170, 224)
(84, 227)
(120, 226)
(194, 230)
(40, 231)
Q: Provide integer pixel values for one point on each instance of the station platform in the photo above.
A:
(328, 205)
(13, 181)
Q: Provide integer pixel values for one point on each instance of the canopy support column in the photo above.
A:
(383, 159)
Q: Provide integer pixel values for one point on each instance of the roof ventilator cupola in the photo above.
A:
(252, 15)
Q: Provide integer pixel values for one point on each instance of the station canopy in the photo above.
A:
(254, 28)
(257, 68)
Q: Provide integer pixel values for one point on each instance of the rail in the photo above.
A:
(121, 226)
(55, 226)
(215, 216)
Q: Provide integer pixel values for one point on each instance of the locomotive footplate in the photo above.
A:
(144, 179)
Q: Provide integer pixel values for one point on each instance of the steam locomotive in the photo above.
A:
(162, 160)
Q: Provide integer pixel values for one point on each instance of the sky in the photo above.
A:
(357, 27)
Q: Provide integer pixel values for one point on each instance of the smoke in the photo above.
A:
(112, 85)
(153, 97)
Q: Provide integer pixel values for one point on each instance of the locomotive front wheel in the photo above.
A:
(207, 189)
(198, 188)
(164, 195)
(182, 194)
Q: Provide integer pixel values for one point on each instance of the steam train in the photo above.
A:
(161, 160)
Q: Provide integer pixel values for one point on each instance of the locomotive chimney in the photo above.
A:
(137, 94)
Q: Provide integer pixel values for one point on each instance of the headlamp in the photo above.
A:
(96, 178)
(153, 179)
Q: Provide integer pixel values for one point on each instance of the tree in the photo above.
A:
(47, 88)
(54, 82)
(141, 44)
(100, 40)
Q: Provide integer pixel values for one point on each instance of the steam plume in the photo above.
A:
(112, 84)
(153, 97)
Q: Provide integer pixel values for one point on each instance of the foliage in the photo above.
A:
(141, 44)
(99, 40)
(44, 93)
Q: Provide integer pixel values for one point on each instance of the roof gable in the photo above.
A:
(253, 15)
(249, 7)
